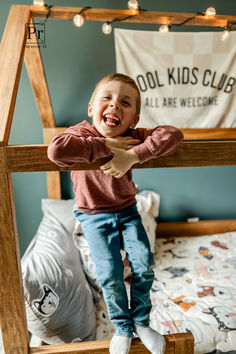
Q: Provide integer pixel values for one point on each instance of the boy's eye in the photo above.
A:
(126, 103)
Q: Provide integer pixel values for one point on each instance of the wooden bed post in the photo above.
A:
(12, 308)
(35, 69)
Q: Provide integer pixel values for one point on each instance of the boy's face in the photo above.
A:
(114, 108)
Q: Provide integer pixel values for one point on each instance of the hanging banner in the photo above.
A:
(186, 79)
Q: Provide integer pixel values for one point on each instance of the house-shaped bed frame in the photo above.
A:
(28, 158)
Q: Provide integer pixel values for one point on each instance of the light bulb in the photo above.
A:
(210, 12)
(225, 35)
(106, 28)
(38, 2)
(78, 20)
(133, 5)
(164, 29)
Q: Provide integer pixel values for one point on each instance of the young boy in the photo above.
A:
(105, 201)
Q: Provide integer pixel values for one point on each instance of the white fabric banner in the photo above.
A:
(186, 79)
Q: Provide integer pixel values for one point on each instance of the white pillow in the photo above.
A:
(148, 204)
(58, 299)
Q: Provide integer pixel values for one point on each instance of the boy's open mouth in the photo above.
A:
(110, 120)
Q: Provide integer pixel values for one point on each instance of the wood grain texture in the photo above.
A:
(206, 227)
(11, 58)
(12, 308)
(209, 133)
(26, 158)
(49, 133)
(54, 185)
(35, 69)
(157, 17)
(53, 178)
(173, 343)
(184, 344)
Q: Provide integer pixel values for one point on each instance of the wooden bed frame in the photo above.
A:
(28, 158)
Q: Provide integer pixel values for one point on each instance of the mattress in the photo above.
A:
(194, 290)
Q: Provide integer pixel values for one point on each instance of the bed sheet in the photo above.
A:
(194, 290)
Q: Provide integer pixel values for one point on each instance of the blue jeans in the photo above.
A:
(106, 234)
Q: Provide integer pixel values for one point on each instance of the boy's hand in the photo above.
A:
(121, 162)
(122, 142)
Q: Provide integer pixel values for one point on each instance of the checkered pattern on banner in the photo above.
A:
(186, 79)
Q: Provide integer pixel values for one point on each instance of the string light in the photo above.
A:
(78, 20)
(210, 12)
(164, 29)
(106, 28)
(133, 5)
(38, 2)
(226, 33)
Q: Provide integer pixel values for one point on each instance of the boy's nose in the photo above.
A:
(114, 104)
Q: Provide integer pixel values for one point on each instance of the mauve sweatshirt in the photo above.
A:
(96, 192)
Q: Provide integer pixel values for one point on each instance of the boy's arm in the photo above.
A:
(122, 142)
(69, 147)
(161, 141)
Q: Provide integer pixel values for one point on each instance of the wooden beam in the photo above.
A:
(49, 133)
(173, 343)
(53, 178)
(209, 133)
(31, 158)
(189, 134)
(54, 185)
(157, 17)
(205, 227)
(35, 69)
(184, 344)
(11, 57)
(12, 307)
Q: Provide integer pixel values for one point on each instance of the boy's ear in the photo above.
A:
(135, 122)
(90, 111)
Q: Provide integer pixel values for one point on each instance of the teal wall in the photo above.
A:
(75, 59)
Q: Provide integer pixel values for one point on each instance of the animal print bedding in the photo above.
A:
(194, 290)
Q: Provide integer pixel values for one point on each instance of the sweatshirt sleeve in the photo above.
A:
(73, 146)
(157, 142)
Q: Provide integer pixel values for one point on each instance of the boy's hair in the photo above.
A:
(122, 78)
